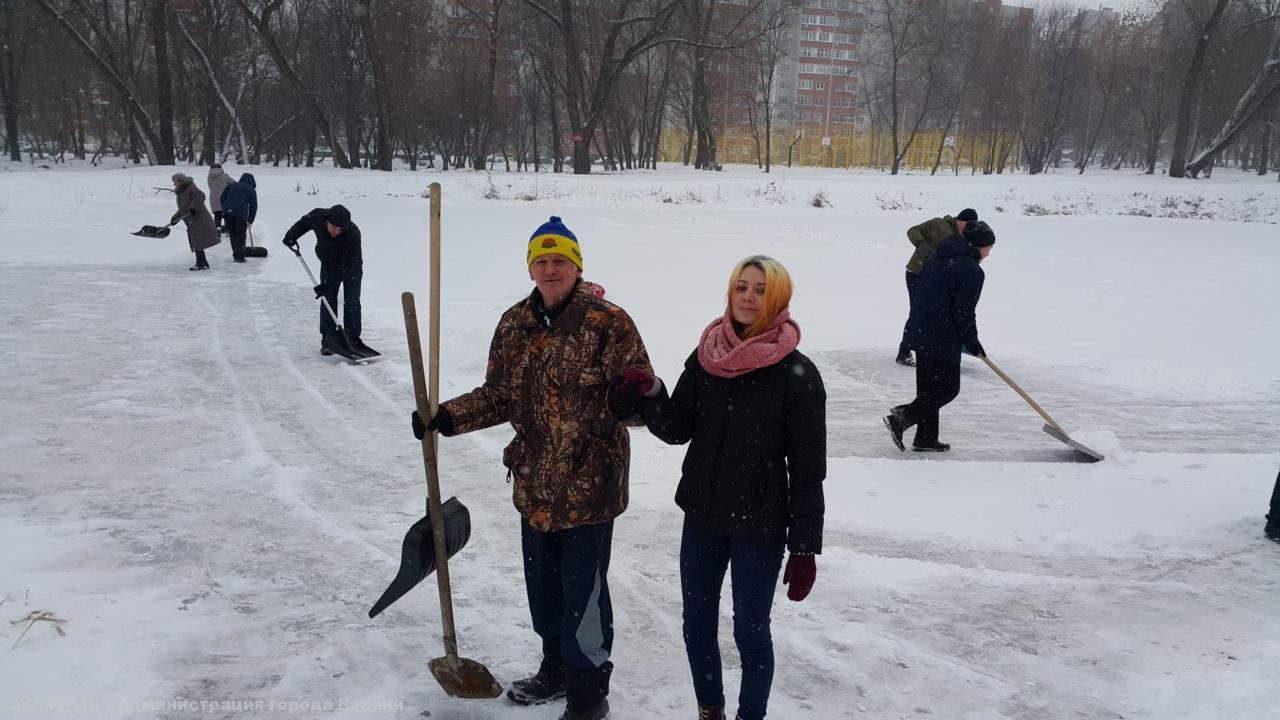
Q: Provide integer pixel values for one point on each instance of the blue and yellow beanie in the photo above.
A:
(553, 238)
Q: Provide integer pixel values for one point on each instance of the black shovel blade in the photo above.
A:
(1085, 454)
(255, 251)
(338, 343)
(418, 552)
(152, 231)
(364, 350)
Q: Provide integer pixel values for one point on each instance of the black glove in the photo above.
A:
(320, 290)
(442, 422)
(975, 349)
(291, 244)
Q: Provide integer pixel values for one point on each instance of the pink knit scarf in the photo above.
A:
(723, 354)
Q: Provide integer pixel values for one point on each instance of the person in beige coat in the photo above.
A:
(218, 181)
(201, 232)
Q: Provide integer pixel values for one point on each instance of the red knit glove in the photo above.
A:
(631, 385)
(801, 571)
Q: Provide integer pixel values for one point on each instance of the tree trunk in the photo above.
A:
(364, 10)
(164, 83)
(9, 82)
(1182, 128)
(1264, 147)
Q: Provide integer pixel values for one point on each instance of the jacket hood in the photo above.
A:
(956, 246)
(247, 179)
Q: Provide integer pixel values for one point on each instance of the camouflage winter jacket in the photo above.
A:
(926, 237)
(570, 457)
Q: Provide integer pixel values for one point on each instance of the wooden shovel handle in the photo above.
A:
(424, 404)
(1034, 405)
(427, 404)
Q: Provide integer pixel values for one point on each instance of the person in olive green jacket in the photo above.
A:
(925, 237)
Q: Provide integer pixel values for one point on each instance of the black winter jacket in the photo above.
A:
(757, 448)
(944, 310)
(240, 199)
(341, 253)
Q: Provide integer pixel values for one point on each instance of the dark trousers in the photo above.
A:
(236, 228)
(566, 576)
(217, 219)
(350, 282)
(937, 383)
(201, 260)
(754, 561)
(1273, 517)
(913, 279)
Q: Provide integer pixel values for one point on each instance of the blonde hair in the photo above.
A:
(777, 291)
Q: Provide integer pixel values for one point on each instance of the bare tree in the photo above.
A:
(1182, 127)
(261, 23)
(599, 41)
(909, 38)
(1264, 90)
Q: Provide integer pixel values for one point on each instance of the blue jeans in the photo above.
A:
(754, 562)
(350, 282)
(565, 574)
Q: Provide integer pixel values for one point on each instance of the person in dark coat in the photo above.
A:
(943, 325)
(1273, 517)
(202, 234)
(925, 238)
(753, 410)
(341, 265)
(239, 208)
(218, 181)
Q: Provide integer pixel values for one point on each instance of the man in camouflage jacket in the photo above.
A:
(554, 358)
(925, 238)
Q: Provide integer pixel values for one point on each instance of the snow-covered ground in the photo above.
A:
(213, 505)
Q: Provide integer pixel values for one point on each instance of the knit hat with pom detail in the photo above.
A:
(553, 238)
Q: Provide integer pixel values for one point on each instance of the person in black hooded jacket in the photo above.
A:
(341, 265)
(239, 201)
(753, 409)
(943, 326)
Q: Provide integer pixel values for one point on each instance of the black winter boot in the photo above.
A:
(1273, 534)
(585, 692)
(547, 685)
(710, 713)
(893, 421)
(599, 711)
(930, 446)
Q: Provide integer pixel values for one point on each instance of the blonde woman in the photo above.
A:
(753, 410)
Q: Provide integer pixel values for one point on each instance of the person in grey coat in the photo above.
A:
(218, 181)
(201, 232)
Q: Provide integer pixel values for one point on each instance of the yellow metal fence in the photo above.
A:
(872, 148)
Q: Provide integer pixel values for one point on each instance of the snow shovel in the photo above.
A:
(1051, 426)
(336, 342)
(458, 676)
(155, 231)
(254, 250)
(418, 553)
